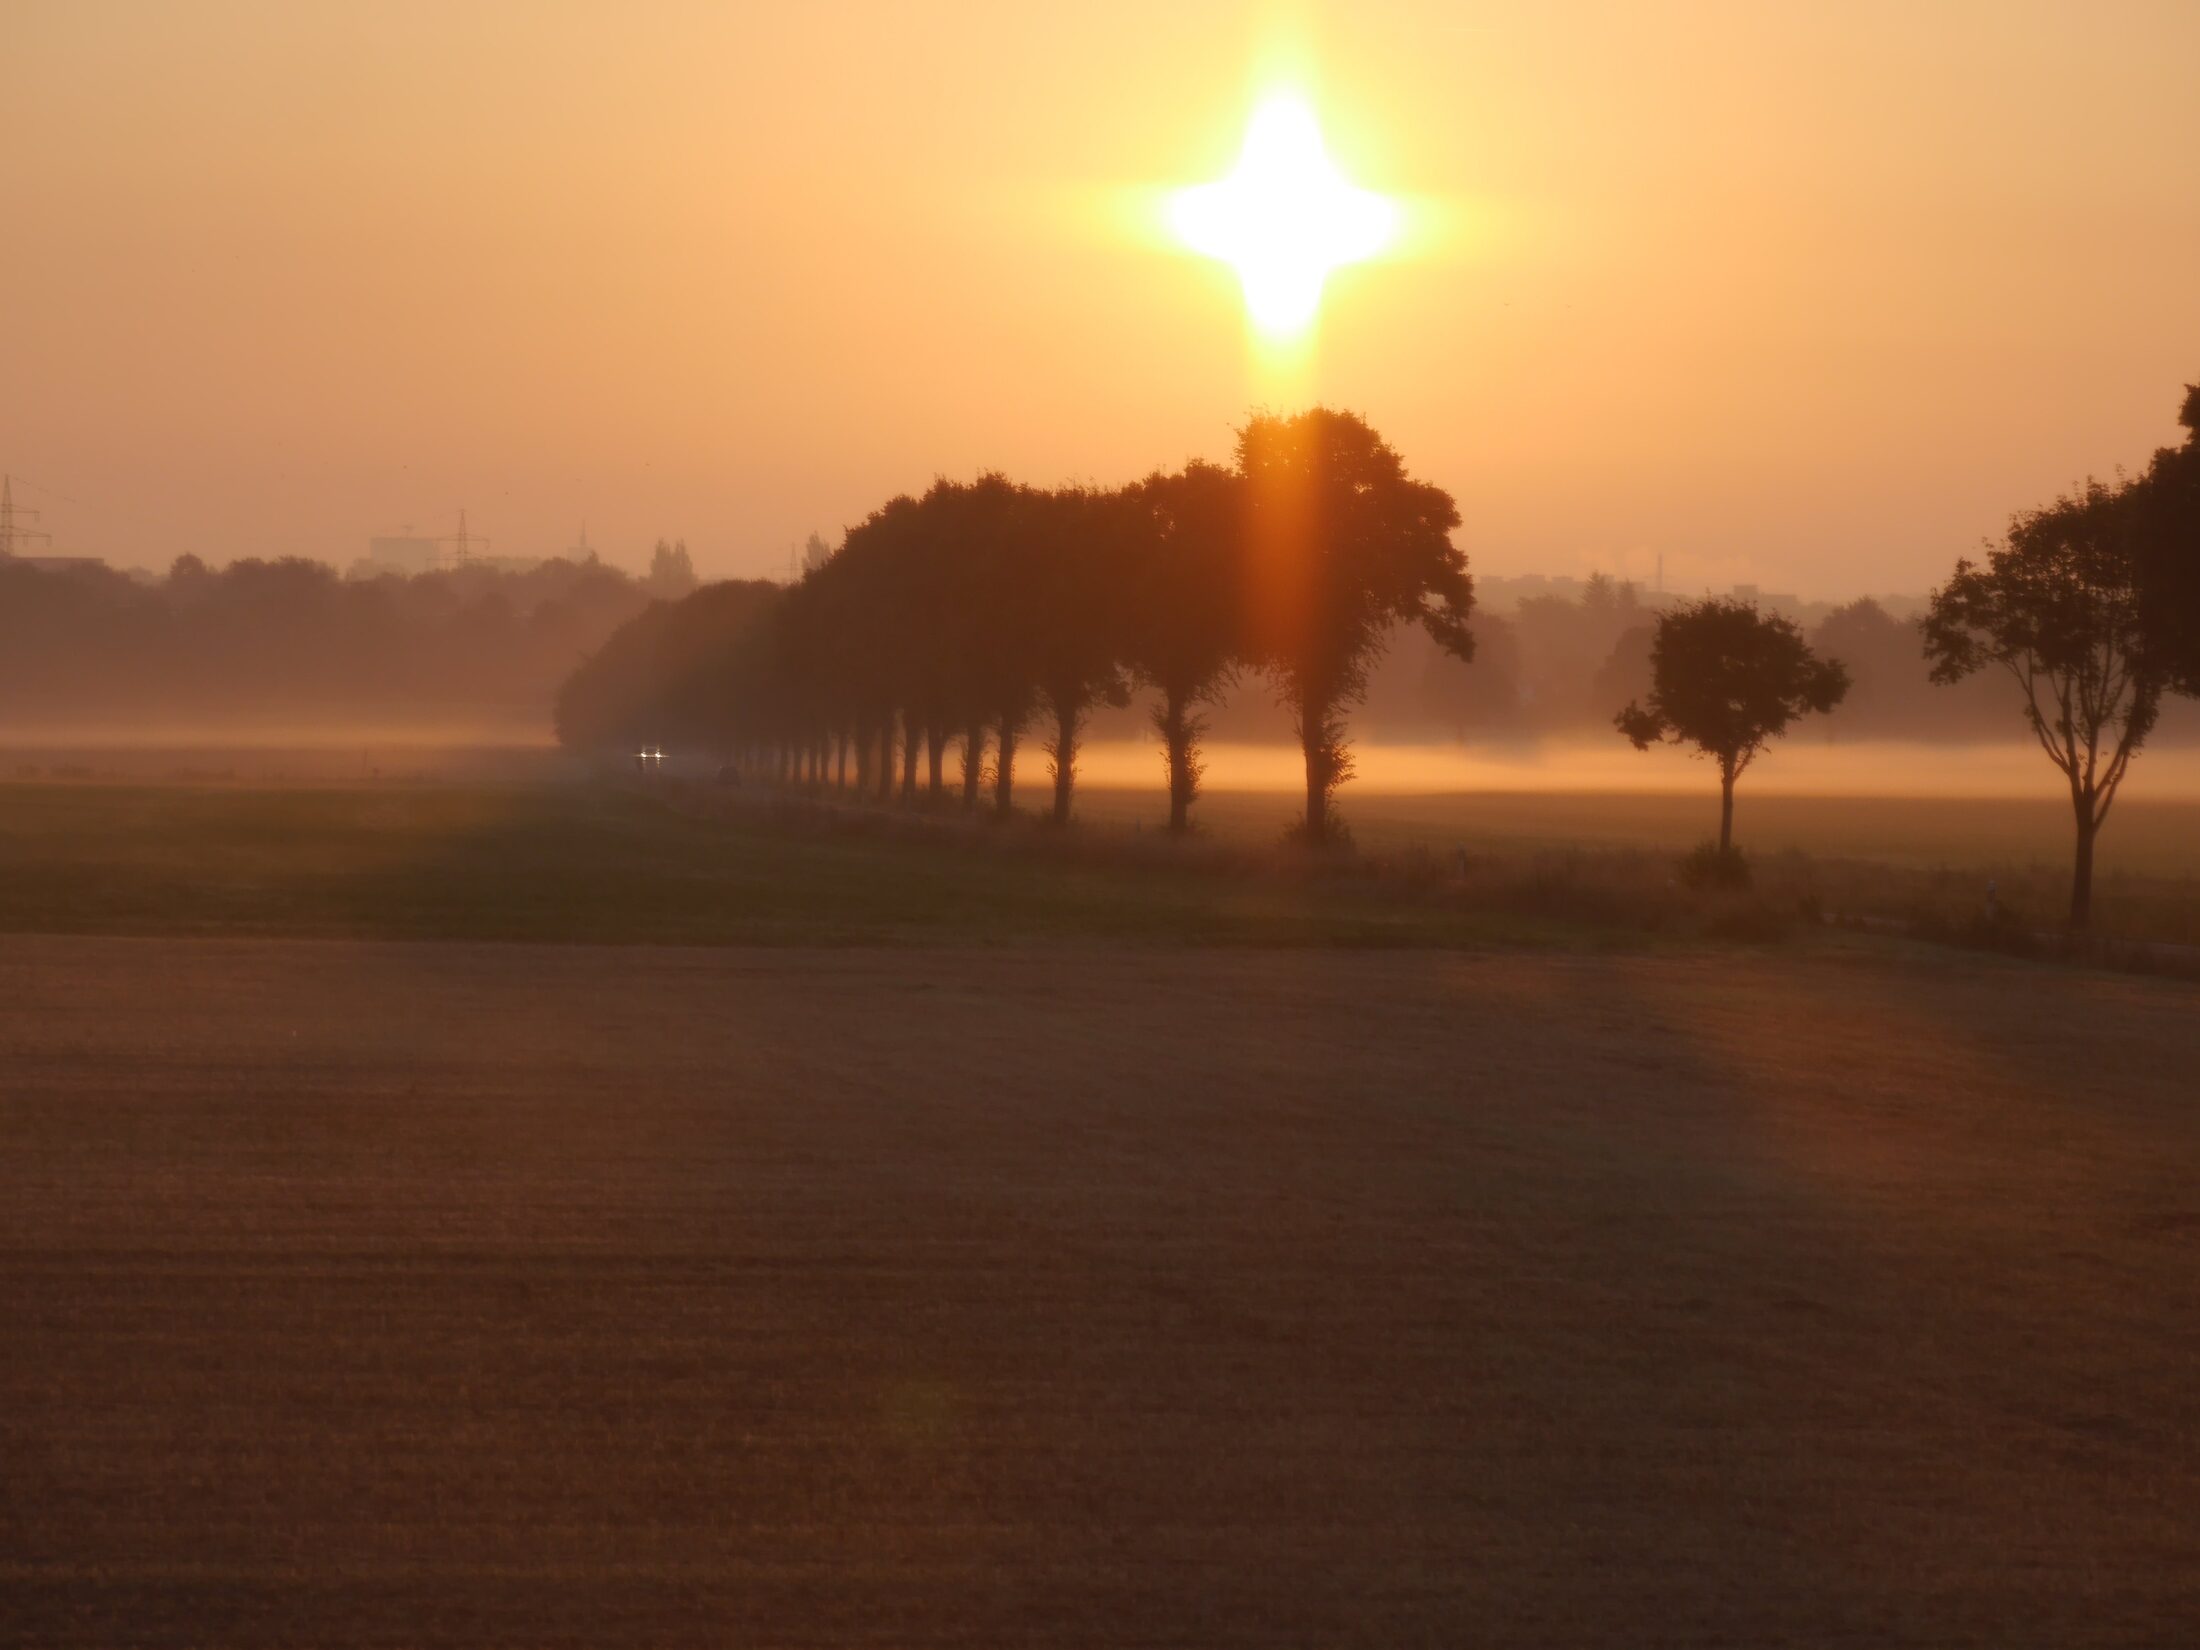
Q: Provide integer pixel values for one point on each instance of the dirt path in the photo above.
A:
(500, 1295)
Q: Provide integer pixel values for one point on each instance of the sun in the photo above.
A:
(1285, 217)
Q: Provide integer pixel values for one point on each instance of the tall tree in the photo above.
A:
(876, 624)
(1073, 589)
(1726, 679)
(2058, 606)
(2167, 505)
(1184, 616)
(1342, 544)
(996, 534)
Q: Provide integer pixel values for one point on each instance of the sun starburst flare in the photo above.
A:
(1284, 217)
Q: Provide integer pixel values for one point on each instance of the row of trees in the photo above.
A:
(983, 611)
(979, 609)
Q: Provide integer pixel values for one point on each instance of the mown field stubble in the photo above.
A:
(1025, 1281)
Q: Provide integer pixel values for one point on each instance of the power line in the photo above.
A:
(50, 492)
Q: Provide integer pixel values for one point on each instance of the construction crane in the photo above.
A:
(15, 539)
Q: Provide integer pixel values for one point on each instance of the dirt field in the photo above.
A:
(478, 1295)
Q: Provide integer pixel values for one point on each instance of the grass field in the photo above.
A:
(582, 863)
(560, 860)
(1891, 856)
(368, 1293)
(2156, 840)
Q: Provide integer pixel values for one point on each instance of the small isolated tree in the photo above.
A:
(2058, 607)
(1341, 544)
(1726, 678)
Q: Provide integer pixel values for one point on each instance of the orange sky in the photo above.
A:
(1810, 296)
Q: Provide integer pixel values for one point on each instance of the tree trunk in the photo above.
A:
(973, 764)
(1004, 770)
(1726, 814)
(2081, 873)
(885, 791)
(1176, 733)
(863, 762)
(935, 752)
(1315, 747)
(840, 760)
(912, 739)
(1069, 715)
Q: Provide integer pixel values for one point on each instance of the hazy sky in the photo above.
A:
(1808, 295)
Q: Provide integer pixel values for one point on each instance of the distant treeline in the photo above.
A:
(291, 641)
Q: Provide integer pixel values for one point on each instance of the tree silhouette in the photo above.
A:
(995, 532)
(2058, 607)
(2167, 505)
(1184, 616)
(1727, 678)
(1341, 545)
(687, 671)
(1073, 595)
(854, 650)
(671, 571)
